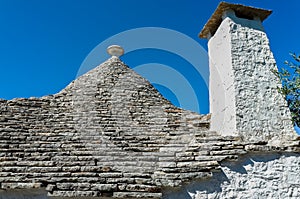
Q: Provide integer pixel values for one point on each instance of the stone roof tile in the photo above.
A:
(109, 133)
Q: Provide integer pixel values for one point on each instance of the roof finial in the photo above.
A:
(115, 50)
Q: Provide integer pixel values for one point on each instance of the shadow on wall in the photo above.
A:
(211, 185)
(249, 23)
(262, 174)
(240, 166)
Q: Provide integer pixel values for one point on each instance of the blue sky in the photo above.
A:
(43, 43)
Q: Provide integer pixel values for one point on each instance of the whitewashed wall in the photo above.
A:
(270, 175)
(243, 90)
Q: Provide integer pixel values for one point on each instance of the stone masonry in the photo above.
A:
(243, 89)
(111, 134)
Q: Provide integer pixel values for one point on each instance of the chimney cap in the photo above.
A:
(115, 50)
(240, 10)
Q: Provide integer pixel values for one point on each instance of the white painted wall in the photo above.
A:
(221, 83)
(256, 176)
(243, 90)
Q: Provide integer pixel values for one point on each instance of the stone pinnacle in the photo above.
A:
(115, 50)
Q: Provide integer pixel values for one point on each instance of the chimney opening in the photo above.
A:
(244, 16)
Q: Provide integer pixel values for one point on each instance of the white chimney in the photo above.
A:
(243, 96)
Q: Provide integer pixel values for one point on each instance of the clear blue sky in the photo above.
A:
(43, 43)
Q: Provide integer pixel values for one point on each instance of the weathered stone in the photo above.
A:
(111, 134)
(136, 195)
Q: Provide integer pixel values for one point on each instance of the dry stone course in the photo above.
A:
(109, 133)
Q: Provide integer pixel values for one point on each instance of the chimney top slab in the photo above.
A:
(240, 11)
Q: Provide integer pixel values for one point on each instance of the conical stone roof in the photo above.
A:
(109, 133)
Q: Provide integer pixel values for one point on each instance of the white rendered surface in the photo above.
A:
(243, 90)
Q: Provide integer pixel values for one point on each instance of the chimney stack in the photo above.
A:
(244, 99)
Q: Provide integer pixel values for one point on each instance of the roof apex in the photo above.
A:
(240, 10)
